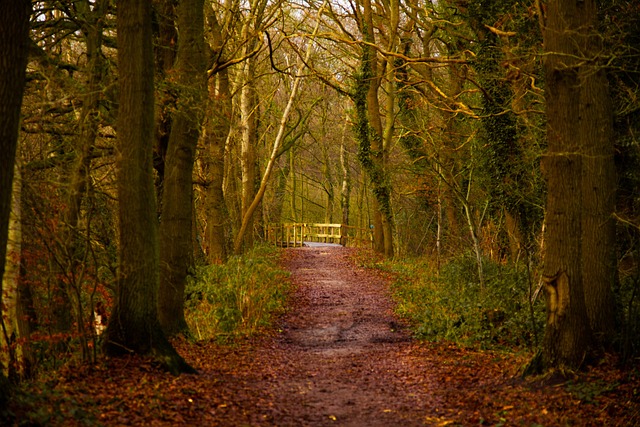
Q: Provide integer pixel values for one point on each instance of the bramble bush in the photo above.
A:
(237, 298)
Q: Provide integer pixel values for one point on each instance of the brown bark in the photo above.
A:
(249, 123)
(598, 184)
(567, 335)
(134, 326)
(382, 216)
(165, 55)
(176, 223)
(345, 187)
(217, 130)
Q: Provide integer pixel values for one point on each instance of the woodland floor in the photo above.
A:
(340, 358)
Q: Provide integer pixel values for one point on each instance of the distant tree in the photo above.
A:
(14, 43)
(134, 326)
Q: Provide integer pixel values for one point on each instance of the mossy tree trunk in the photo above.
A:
(370, 134)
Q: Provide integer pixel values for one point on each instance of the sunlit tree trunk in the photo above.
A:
(281, 188)
(294, 185)
(345, 188)
(328, 186)
(14, 42)
(248, 121)
(176, 221)
(567, 335)
(134, 326)
(11, 357)
(248, 107)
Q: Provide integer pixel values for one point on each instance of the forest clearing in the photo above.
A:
(339, 356)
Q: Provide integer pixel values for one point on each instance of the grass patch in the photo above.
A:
(239, 298)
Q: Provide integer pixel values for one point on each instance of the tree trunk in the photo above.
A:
(165, 44)
(345, 188)
(134, 325)
(217, 131)
(373, 113)
(11, 360)
(567, 335)
(176, 223)
(328, 186)
(281, 188)
(14, 38)
(248, 107)
(275, 152)
(499, 135)
(371, 136)
(598, 184)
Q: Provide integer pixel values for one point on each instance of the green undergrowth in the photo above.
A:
(451, 305)
(239, 298)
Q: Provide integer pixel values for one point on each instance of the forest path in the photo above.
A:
(345, 358)
(340, 358)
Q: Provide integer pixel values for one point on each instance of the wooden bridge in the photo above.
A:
(296, 234)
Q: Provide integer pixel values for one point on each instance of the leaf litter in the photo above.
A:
(338, 357)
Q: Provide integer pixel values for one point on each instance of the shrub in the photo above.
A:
(237, 298)
(452, 305)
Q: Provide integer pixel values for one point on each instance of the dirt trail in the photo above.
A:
(344, 359)
(341, 359)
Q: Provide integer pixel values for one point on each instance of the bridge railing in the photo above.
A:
(295, 234)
